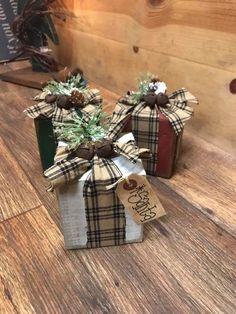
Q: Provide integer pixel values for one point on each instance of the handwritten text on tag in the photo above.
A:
(139, 199)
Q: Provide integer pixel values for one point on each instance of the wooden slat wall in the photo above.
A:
(187, 43)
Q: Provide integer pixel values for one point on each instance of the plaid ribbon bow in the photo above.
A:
(177, 110)
(91, 97)
(68, 166)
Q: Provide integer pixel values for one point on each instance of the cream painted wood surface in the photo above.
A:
(188, 44)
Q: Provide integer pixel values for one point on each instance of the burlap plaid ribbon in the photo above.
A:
(177, 112)
(43, 109)
(68, 166)
(105, 214)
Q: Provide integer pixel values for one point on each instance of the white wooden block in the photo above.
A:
(72, 207)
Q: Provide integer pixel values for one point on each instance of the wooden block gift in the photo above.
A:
(58, 102)
(85, 177)
(102, 221)
(156, 121)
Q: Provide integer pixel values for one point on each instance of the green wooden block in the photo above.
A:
(46, 141)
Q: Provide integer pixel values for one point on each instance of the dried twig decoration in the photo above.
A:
(32, 26)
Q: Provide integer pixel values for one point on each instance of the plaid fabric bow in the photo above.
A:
(68, 166)
(91, 97)
(177, 110)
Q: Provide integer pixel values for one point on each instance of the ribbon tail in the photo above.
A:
(119, 119)
(64, 171)
(40, 109)
(91, 96)
(131, 151)
(41, 96)
(182, 97)
(63, 152)
(105, 214)
(191, 98)
(144, 153)
(178, 110)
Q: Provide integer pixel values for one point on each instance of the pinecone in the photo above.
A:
(151, 100)
(162, 100)
(76, 99)
(49, 99)
(63, 102)
(104, 149)
(85, 151)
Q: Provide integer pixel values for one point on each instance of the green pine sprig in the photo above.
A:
(135, 97)
(80, 131)
(65, 88)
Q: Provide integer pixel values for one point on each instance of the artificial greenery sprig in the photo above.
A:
(135, 97)
(65, 88)
(80, 131)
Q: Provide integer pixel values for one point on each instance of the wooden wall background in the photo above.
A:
(188, 43)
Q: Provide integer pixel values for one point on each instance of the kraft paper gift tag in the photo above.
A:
(138, 197)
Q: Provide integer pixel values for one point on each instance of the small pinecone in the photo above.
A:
(63, 102)
(49, 99)
(85, 151)
(76, 99)
(162, 100)
(150, 99)
(105, 149)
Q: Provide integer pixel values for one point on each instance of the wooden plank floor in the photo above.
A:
(185, 265)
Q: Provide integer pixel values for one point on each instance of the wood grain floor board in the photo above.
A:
(177, 269)
(207, 177)
(23, 144)
(31, 270)
(17, 195)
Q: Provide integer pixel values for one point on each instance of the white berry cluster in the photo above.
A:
(158, 87)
